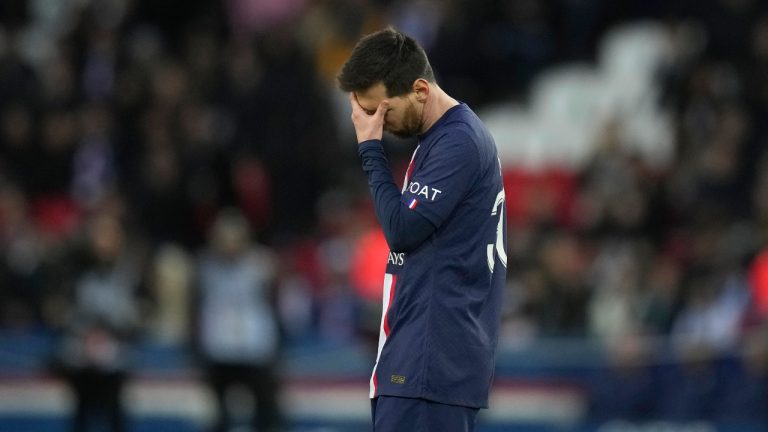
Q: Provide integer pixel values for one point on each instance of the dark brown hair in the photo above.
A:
(389, 57)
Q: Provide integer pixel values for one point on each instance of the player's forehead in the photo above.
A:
(370, 98)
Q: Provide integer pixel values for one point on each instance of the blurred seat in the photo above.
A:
(569, 105)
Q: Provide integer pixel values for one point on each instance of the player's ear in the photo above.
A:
(421, 88)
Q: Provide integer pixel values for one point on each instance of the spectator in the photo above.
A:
(238, 337)
(616, 279)
(104, 320)
(23, 264)
(567, 294)
(170, 283)
(661, 296)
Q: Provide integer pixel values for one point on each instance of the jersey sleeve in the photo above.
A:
(404, 230)
(443, 178)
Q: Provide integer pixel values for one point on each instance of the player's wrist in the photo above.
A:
(361, 138)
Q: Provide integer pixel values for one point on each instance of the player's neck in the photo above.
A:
(438, 103)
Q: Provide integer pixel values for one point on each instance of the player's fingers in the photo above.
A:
(354, 103)
(381, 110)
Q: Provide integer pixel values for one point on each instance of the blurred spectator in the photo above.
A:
(295, 300)
(420, 19)
(18, 79)
(616, 278)
(339, 306)
(340, 300)
(716, 305)
(661, 296)
(566, 300)
(160, 195)
(54, 166)
(250, 16)
(238, 336)
(23, 265)
(96, 350)
(616, 189)
(17, 144)
(95, 171)
(252, 187)
(170, 284)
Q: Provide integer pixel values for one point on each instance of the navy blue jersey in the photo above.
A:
(442, 298)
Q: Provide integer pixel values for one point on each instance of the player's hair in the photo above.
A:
(389, 57)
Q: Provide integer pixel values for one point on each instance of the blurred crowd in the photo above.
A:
(155, 156)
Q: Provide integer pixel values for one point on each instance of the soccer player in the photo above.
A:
(446, 231)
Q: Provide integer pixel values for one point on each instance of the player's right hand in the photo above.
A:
(368, 126)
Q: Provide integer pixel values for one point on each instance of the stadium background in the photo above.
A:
(633, 140)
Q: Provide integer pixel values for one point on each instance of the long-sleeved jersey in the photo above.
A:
(446, 269)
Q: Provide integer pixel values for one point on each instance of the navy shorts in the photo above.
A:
(397, 414)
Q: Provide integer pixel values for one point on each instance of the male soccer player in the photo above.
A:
(446, 231)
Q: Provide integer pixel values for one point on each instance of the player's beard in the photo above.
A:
(412, 122)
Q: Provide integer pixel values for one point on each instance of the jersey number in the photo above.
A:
(498, 210)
